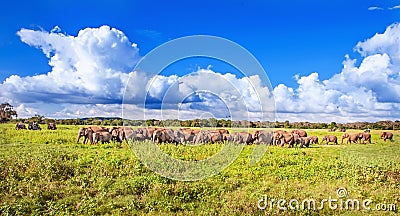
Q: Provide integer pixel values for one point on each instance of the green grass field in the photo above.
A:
(47, 172)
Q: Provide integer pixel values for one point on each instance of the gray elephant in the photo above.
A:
(296, 139)
(163, 135)
(101, 136)
(81, 133)
(262, 137)
(202, 137)
(142, 134)
(145, 133)
(301, 133)
(159, 136)
(305, 142)
(87, 133)
(189, 136)
(20, 126)
(170, 136)
(224, 133)
(365, 136)
(314, 139)
(126, 133)
(387, 135)
(351, 138)
(179, 136)
(115, 134)
(122, 133)
(285, 138)
(150, 132)
(184, 135)
(329, 139)
(34, 126)
(277, 136)
(51, 126)
(241, 137)
(216, 137)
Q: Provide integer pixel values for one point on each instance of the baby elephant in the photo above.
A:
(386, 135)
(305, 141)
(330, 138)
(352, 137)
(102, 136)
(314, 139)
(365, 137)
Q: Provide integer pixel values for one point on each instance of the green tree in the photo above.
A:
(37, 118)
(77, 121)
(97, 121)
(106, 122)
(185, 123)
(286, 124)
(212, 122)
(88, 121)
(117, 122)
(195, 123)
(150, 122)
(204, 123)
(228, 123)
(7, 112)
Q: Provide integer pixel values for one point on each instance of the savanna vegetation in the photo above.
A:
(47, 172)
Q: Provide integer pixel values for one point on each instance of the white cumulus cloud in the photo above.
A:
(89, 68)
(202, 91)
(367, 92)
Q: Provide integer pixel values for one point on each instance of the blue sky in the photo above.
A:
(291, 39)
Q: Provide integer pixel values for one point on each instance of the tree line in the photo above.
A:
(8, 114)
(212, 122)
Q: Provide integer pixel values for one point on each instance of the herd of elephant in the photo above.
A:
(34, 126)
(96, 134)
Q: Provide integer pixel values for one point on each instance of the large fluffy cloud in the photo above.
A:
(89, 68)
(203, 92)
(367, 92)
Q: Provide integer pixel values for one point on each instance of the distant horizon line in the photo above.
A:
(242, 120)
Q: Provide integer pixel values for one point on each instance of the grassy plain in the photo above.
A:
(47, 172)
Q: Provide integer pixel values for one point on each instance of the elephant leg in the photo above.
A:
(91, 139)
(282, 142)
